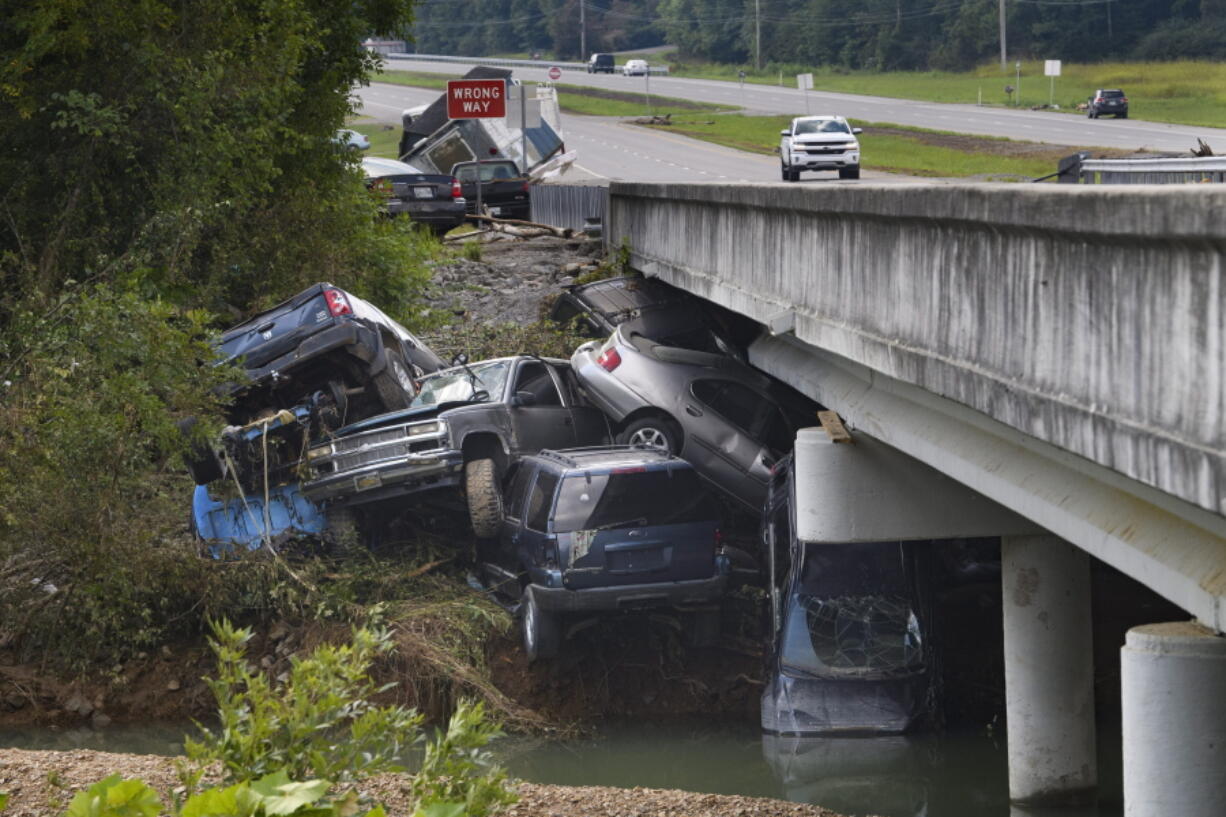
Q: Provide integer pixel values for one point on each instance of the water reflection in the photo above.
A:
(136, 739)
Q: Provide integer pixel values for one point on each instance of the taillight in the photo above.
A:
(1124, 99)
(526, 189)
(609, 359)
(456, 191)
(1098, 99)
(338, 304)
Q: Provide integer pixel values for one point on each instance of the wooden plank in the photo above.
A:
(834, 427)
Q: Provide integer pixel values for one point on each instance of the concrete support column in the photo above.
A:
(1049, 670)
(1173, 692)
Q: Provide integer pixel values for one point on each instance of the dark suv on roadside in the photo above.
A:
(600, 64)
(598, 530)
(1108, 100)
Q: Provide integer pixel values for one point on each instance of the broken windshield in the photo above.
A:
(853, 614)
(456, 386)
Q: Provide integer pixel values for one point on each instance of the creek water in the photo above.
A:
(957, 774)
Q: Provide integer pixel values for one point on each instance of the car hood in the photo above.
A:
(408, 415)
(823, 138)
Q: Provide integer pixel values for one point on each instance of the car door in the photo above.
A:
(722, 420)
(502, 567)
(591, 424)
(539, 417)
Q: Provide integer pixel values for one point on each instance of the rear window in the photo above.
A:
(1112, 94)
(659, 497)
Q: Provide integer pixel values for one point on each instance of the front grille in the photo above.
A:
(394, 451)
(822, 150)
(379, 445)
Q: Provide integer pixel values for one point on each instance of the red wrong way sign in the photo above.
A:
(476, 98)
(555, 73)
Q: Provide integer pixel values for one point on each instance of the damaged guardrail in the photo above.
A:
(1080, 169)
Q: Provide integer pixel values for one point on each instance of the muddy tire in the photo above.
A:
(342, 533)
(484, 497)
(542, 634)
(394, 384)
(653, 432)
(702, 628)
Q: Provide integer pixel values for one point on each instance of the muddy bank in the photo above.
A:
(41, 784)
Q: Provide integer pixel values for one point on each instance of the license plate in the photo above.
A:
(367, 482)
(423, 192)
(495, 211)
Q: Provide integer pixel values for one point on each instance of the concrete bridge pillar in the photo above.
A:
(1173, 692)
(1049, 671)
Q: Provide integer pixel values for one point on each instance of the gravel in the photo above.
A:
(43, 783)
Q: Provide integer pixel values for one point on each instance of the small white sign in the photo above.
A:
(1051, 68)
(804, 81)
(531, 107)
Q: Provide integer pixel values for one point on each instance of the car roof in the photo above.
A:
(609, 456)
(818, 118)
(613, 296)
(375, 166)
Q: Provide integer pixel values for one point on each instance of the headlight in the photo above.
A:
(418, 429)
(319, 451)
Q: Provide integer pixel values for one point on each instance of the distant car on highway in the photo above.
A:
(1108, 100)
(600, 64)
(432, 199)
(819, 143)
(634, 68)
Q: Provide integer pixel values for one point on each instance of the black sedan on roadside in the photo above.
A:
(432, 199)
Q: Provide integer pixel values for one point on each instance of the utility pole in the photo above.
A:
(583, 29)
(1004, 64)
(757, 34)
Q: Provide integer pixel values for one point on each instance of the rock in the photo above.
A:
(173, 686)
(279, 631)
(76, 703)
(166, 653)
(572, 268)
(100, 720)
(267, 661)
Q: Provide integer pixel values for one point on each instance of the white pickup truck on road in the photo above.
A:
(819, 143)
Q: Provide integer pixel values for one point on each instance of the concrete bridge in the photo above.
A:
(1057, 349)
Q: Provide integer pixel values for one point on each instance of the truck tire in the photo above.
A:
(542, 635)
(394, 384)
(654, 432)
(484, 497)
(787, 174)
(851, 172)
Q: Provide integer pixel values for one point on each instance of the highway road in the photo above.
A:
(610, 149)
(1036, 126)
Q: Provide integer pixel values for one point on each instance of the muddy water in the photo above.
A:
(952, 775)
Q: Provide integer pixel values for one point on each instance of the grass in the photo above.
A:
(1185, 92)
(886, 147)
(577, 99)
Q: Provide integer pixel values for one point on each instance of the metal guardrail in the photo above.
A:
(570, 205)
(1179, 170)
(505, 63)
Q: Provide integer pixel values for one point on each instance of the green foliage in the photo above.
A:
(4, 800)
(458, 771)
(472, 250)
(273, 795)
(319, 723)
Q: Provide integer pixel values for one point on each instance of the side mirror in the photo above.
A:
(857, 130)
(459, 360)
(523, 398)
(785, 132)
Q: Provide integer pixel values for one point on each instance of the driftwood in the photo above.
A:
(512, 227)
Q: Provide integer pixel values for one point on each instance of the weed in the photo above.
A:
(472, 250)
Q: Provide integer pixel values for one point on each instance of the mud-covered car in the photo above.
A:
(464, 429)
(606, 529)
(731, 421)
(314, 362)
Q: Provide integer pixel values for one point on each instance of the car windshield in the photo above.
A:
(822, 126)
(456, 386)
(632, 498)
(851, 614)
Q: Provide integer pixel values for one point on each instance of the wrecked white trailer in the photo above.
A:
(436, 144)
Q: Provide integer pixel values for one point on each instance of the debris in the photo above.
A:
(1202, 149)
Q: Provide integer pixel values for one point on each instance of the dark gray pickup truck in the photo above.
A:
(504, 190)
(463, 430)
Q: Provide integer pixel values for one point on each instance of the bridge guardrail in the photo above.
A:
(570, 205)
(1179, 170)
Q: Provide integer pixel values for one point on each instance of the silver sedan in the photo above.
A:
(730, 421)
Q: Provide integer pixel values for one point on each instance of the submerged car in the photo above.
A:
(463, 431)
(850, 650)
(729, 420)
(432, 199)
(598, 530)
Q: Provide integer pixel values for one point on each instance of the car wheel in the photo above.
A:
(702, 628)
(787, 174)
(1123, 115)
(542, 635)
(652, 432)
(201, 459)
(852, 172)
(484, 498)
(394, 384)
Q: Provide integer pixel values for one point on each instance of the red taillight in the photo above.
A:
(526, 189)
(456, 191)
(1124, 99)
(1098, 100)
(338, 304)
(609, 360)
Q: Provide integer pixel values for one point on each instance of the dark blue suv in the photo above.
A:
(594, 530)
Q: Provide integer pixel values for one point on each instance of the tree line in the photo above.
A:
(853, 34)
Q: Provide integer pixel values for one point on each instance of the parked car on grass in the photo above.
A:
(349, 138)
(729, 420)
(463, 431)
(432, 199)
(601, 530)
(505, 192)
(1109, 101)
(819, 143)
(850, 649)
(635, 68)
(600, 64)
